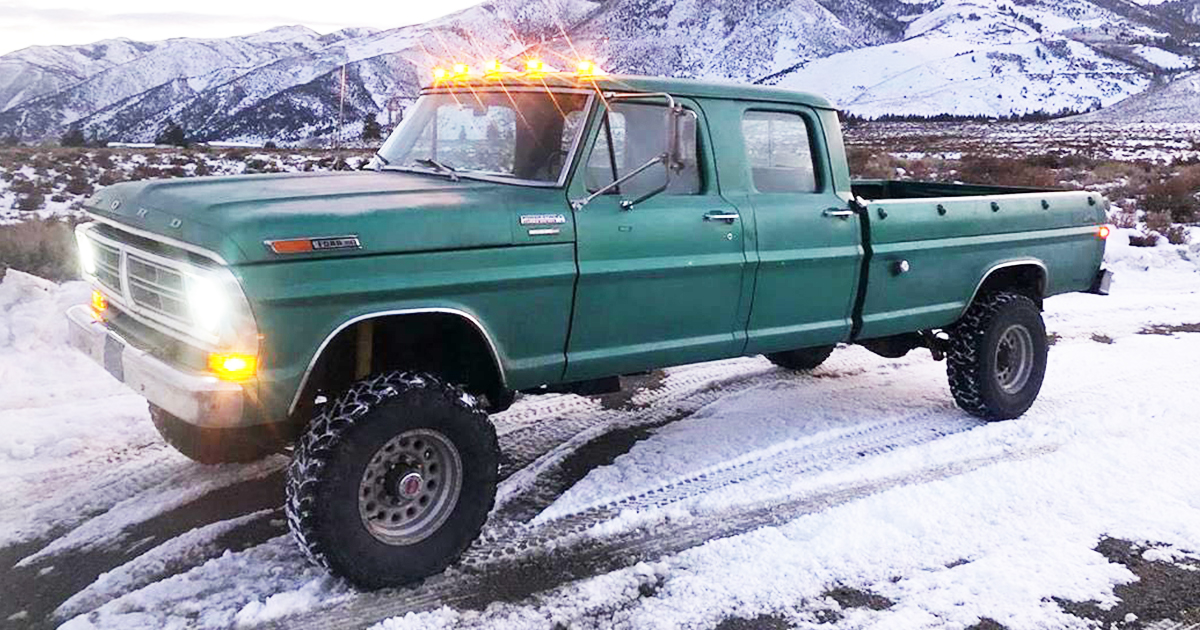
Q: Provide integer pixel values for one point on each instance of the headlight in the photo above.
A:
(87, 255)
(220, 311)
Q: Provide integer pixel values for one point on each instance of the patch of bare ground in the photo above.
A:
(1164, 591)
(1170, 329)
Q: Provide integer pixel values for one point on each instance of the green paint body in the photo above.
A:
(616, 291)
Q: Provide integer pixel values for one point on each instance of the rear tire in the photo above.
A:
(801, 360)
(208, 445)
(997, 356)
(393, 480)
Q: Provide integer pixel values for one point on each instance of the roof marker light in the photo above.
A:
(439, 74)
(460, 71)
(586, 68)
(534, 66)
(491, 68)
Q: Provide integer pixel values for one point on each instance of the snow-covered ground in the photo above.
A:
(862, 475)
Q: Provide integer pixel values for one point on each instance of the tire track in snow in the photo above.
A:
(517, 577)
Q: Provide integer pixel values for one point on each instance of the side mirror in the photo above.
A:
(676, 127)
(673, 158)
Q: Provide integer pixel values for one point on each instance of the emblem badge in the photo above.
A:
(543, 219)
(142, 212)
(313, 244)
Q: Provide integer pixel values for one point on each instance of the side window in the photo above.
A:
(637, 134)
(779, 152)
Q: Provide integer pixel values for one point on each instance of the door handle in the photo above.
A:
(837, 212)
(721, 215)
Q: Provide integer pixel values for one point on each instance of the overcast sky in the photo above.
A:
(29, 22)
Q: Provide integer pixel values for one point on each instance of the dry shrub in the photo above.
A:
(1143, 240)
(987, 169)
(1123, 218)
(79, 186)
(31, 201)
(43, 248)
(1177, 235)
(1177, 194)
(1158, 222)
(110, 177)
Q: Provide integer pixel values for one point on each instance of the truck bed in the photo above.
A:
(894, 189)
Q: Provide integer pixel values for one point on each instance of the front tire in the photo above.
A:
(209, 445)
(997, 356)
(393, 480)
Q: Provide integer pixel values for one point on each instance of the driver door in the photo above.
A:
(659, 284)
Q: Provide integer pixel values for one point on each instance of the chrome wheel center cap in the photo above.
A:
(409, 486)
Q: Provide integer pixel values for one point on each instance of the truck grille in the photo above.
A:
(156, 287)
(108, 267)
(148, 285)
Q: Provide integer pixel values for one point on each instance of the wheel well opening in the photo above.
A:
(444, 344)
(1028, 280)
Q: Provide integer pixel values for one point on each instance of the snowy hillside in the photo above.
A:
(1174, 101)
(874, 57)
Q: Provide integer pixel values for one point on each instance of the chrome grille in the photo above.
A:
(108, 266)
(156, 287)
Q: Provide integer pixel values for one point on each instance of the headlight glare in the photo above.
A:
(207, 304)
(87, 257)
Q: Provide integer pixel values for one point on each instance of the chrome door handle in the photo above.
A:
(837, 212)
(721, 215)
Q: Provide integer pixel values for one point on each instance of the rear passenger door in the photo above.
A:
(809, 249)
(659, 284)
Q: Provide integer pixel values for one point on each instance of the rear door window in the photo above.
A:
(779, 152)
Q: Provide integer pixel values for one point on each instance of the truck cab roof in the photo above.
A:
(637, 83)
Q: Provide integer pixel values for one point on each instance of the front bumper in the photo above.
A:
(198, 399)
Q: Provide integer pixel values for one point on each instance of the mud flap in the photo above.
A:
(1102, 282)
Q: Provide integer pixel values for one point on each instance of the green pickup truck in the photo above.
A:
(544, 232)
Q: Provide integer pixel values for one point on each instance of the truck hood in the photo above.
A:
(390, 212)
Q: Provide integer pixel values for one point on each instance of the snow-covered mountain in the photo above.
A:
(873, 57)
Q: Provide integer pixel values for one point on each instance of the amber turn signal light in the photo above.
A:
(99, 305)
(231, 366)
(1103, 231)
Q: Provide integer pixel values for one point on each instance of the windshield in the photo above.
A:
(509, 134)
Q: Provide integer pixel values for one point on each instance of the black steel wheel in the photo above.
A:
(218, 446)
(392, 480)
(803, 359)
(997, 356)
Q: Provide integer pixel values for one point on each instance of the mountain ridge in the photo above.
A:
(872, 57)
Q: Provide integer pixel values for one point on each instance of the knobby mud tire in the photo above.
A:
(970, 359)
(323, 479)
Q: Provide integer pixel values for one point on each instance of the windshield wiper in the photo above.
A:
(445, 168)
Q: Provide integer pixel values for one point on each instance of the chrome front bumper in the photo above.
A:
(198, 399)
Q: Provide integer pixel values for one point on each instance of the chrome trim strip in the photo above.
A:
(312, 362)
(543, 231)
(998, 266)
(159, 237)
